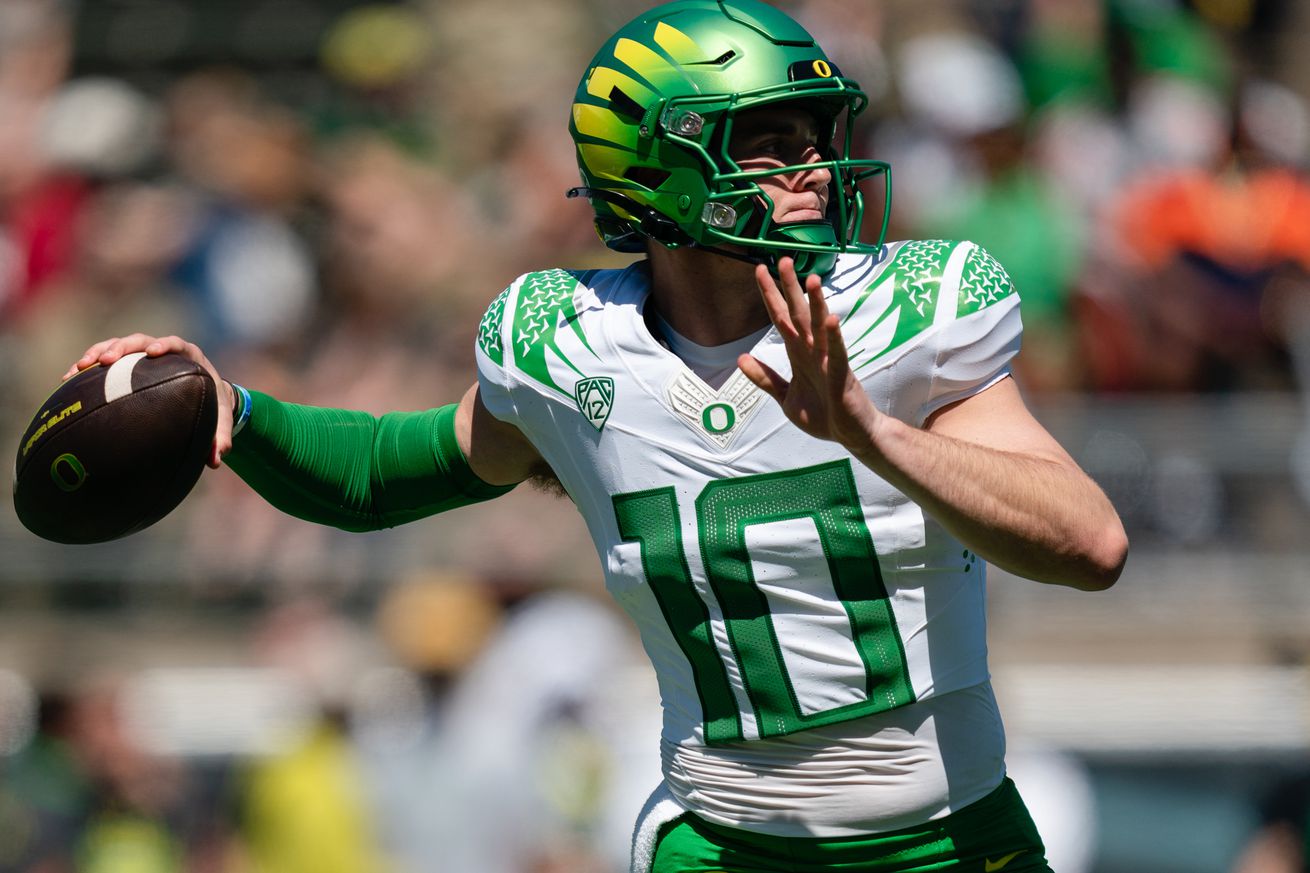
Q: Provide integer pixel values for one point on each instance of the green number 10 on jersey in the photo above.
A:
(791, 566)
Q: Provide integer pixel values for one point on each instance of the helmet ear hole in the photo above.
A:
(647, 177)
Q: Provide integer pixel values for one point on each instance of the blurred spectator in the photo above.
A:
(487, 756)
(407, 253)
(304, 810)
(523, 196)
(114, 283)
(85, 796)
(1279, 844)
(37, 204)
(1197, 243)
(502, 61)
(964, 162)
(1064, 54)
(381, 54)
(1168, 39)
(249, 163)
(404, 288)
(42, 794)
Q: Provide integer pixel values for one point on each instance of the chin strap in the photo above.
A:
(649, 222)
(659, 228)
(817, 232)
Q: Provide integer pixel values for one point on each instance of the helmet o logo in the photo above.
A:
(822, 69)
(68, 472)
(718, 417)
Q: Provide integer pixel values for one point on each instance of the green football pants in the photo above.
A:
(993, 835)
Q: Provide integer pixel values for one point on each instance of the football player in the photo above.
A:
(795, 452)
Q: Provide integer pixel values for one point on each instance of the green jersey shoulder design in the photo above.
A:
(926, 283)
(983, 283)
(489, 337)
(778, 585)
(544, 303)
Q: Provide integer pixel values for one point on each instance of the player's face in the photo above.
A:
(780, 136)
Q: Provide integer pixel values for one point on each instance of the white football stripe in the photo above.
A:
(118, 381)
(948, 295)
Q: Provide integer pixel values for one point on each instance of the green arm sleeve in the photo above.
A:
(353, 470)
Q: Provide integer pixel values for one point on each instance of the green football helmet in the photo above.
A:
(653, 116)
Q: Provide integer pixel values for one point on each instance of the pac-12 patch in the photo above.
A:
(595, 396)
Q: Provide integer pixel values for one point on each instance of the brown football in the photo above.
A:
(114, 449)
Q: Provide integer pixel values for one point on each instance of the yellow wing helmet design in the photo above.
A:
(653, 115)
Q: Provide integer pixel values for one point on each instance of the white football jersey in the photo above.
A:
(777, 583)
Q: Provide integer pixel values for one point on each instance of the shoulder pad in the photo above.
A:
(536, 315)
(983, 282)
(489, 329)
(900, 301)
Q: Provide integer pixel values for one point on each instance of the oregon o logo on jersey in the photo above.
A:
(718, 417)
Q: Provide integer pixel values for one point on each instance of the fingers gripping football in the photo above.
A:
(106, 352)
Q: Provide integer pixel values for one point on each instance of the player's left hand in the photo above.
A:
(823, 397)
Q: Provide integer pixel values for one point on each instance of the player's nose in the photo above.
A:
(816, 178)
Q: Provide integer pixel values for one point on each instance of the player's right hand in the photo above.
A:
(822, 397)
(108, 351)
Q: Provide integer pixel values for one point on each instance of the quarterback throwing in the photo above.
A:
(795, 451)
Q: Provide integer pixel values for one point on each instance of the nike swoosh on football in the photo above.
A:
(990, 866)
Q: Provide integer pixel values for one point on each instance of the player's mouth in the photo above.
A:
(807, 209)
(793, 215)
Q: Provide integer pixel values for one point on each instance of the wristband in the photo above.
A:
(240, 414)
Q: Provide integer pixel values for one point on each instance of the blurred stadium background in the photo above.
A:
(326, 193)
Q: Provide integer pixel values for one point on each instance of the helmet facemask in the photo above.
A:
(739, 213)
